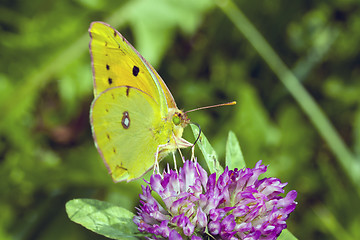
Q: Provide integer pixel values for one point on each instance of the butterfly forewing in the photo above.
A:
(116, 63)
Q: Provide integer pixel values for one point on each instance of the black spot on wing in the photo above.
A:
(114, 150)
(127, 91)
(135, 71)
(110, 81)
(108, 136)
(107, 67)
(125, 121)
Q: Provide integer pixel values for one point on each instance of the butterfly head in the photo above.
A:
(179, 120)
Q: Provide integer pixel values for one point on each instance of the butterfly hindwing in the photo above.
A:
(125, 121)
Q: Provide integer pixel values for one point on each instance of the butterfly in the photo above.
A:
(134, 118)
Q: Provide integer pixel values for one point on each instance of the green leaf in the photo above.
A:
(102, 217)
(208, 152)
(286, 235)
(234, 157)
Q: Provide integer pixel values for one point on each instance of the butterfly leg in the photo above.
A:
(194, 159)
(182, 156)
(193, 153)
(175, 166)
(196, 166)
(178, 148)
(157, 160)
(156, 164)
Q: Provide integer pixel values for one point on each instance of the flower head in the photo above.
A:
(194, 205)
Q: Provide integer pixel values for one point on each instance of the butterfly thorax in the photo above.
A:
(169, 133)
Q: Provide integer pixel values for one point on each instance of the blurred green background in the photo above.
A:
(207, 53)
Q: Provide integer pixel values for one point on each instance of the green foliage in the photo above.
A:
(286, 235)
(205, 56)
(234, 158)
(102, 217)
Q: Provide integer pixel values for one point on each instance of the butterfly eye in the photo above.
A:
(176, 119)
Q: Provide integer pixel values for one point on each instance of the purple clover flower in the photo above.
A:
(196, 206)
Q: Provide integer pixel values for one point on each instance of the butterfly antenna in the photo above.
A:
(201, 108)
(212, 106)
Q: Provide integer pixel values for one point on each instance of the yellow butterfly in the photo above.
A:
(134, 118)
